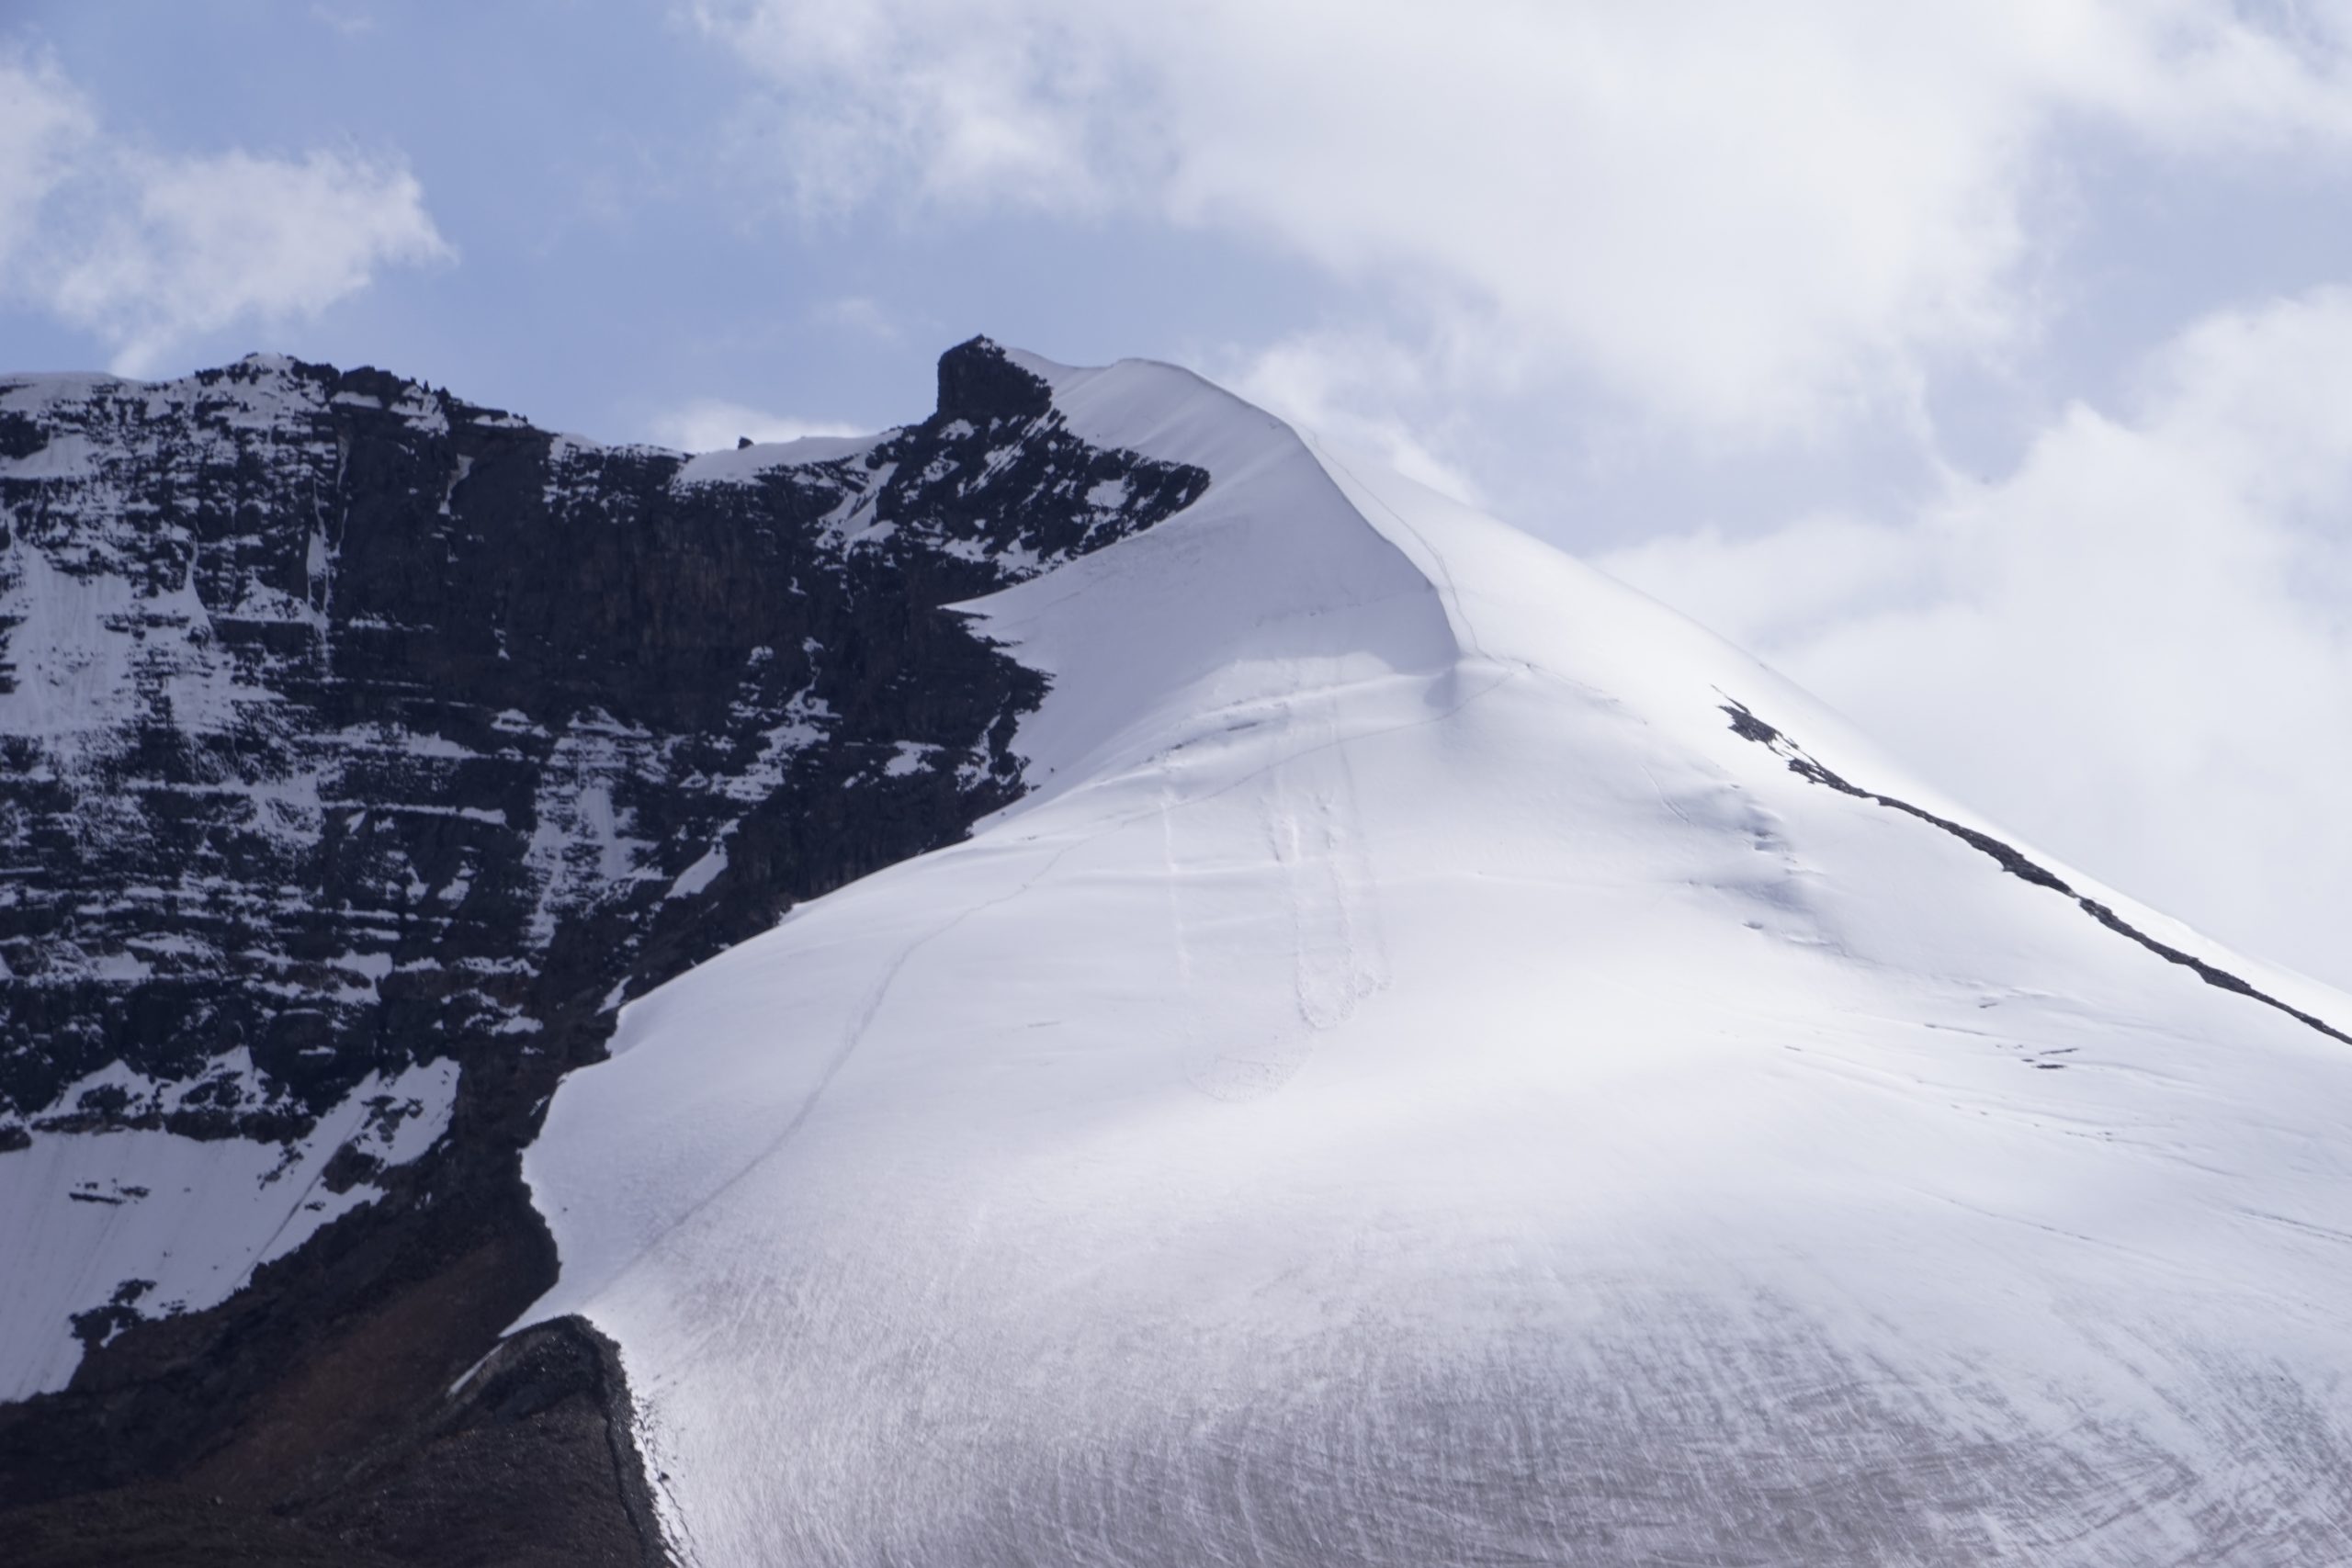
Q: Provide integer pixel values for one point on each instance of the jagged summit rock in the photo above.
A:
(979, 381)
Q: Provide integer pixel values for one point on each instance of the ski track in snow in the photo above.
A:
(1315, 853)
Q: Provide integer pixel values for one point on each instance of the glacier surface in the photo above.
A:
(1421, 1079)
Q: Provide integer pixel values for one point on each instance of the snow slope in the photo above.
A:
(101, 1229)
(1453, 1064)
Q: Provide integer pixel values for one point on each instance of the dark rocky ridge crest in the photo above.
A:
(429, 736)
(979, 381)
(1747, 727)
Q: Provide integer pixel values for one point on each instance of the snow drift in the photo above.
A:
(1450, 1063)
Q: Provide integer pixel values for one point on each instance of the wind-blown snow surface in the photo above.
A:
(1414, 1085)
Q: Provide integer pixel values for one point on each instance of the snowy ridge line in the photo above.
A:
(1433, 566)
(1749, 727)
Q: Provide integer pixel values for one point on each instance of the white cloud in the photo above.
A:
(350, 21)
(711, 424)
(149, 251)
(1348, 386)
(1747, 218)
(2136, 649)
(859, 313)
(45, 128)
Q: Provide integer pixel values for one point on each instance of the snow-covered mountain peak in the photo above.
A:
(1449, 1062)
(1272, 582)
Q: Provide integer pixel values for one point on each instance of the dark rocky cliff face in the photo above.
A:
(360, 750)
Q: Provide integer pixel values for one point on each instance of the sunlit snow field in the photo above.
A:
(1413, 1086)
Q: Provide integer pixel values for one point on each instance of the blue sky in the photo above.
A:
(618, 251)
(1978, 363)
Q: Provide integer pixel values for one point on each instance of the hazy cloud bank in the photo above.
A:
(149, 249)
(2137, 647)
